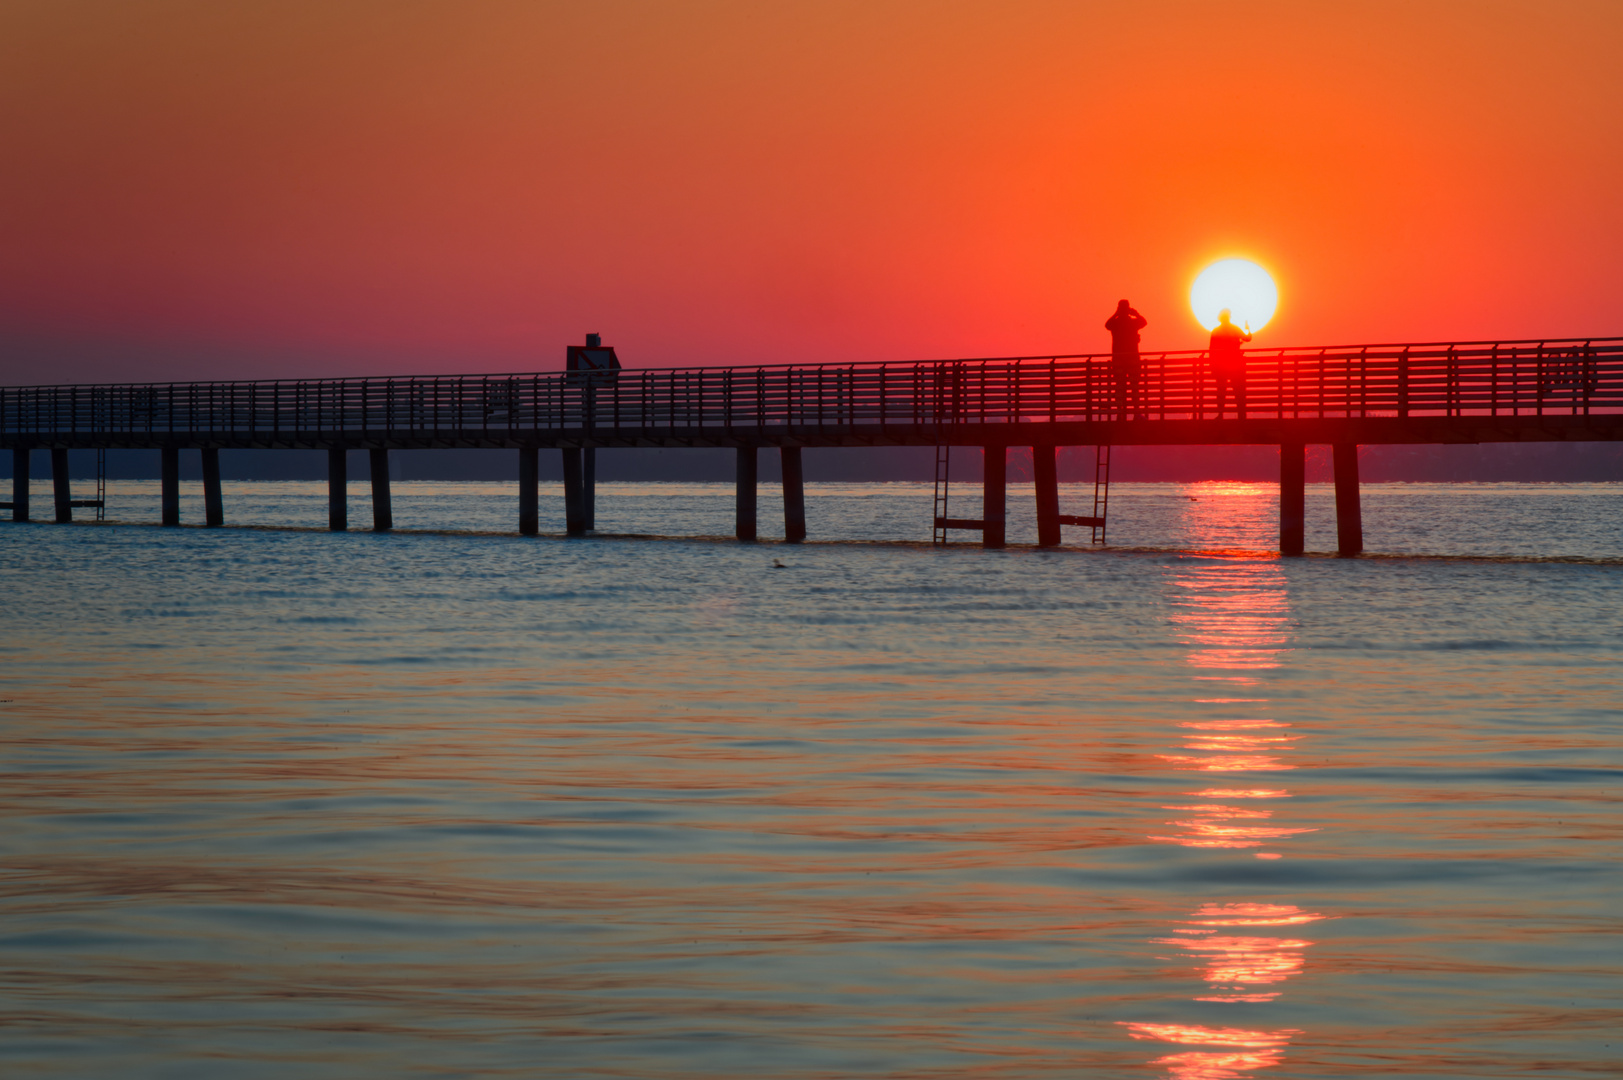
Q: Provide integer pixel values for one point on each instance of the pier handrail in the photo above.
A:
(1569, 376)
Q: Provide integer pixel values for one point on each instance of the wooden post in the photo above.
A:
(529, 491)
(1045, 471)
(338, 490)
(994, 495)
(63, 486)
(213, 505)
(574, 496)
(382, 504)
(794, 495)
(169, 485)
(19, 483)
(1349, 515)
(1292, 498)
(748, 470)
(588, 485)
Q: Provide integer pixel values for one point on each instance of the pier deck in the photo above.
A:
(1447, 392)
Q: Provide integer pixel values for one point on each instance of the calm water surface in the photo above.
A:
(285, 803)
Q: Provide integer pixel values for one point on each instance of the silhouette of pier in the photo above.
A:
(1439, 392)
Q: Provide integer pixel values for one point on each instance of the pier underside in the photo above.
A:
(1365, 431)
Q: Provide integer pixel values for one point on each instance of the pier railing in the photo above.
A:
(1508, 378)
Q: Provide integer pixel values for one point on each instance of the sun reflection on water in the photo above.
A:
(1245, 1051)
(1234, 616)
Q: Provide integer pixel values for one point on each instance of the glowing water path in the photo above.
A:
(1445, 392)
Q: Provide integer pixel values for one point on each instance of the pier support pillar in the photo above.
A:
(574, 493)
(1292, 498)
(747, 474)
(338, 490)
(1045, 471)
(19, 483)
(1349, 515)
(588, 486)
(794, 495)
(169, 485)
(62, 485)
(529, 491)
(213, 505)
(994, 495)
(382, 504)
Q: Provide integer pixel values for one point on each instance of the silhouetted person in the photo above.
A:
(1125, 366)
(1228, 364)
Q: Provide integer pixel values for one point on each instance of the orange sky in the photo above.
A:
(198, 189)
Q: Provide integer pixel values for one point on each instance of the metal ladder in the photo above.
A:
(943, 478)
(1101, 498)
(1101, 490)
(101, 485)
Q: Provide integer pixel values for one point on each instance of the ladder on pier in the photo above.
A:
(943, 484)
(1101, 498)
(99, 503)
(101, 485)
(943, 478)
(1101, 491)
(1095, 521)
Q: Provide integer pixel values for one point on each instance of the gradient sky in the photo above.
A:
(197, 189)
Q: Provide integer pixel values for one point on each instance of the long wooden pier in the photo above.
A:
(1437, 392)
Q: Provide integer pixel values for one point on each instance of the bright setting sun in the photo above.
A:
(1239, 285)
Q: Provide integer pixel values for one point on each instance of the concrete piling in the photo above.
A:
(529, 491)
(574, 493)
(213, 504)
(1349, 514)
(994, 496)
(382, 503)
(1292, 498)
(62, 485)
(169, 485)
(747, 475)
(1045, 471)
(338, 490)
(588, 486)
(19, 483)
(794, 495)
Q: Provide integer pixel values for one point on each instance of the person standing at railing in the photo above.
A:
(1125, 366)
(1228, 362)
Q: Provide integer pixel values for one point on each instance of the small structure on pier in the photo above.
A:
(1448, 392)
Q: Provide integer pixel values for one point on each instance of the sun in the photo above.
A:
(1239, 285)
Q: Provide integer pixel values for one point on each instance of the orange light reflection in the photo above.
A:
(1246, 763)
(1236, 619)
(1254, 915)
(1205, 1036)
(1202, 1065)
(1249, 1050)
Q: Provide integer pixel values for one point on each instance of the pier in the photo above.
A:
(1347, 396)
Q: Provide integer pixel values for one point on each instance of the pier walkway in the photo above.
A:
(1448, 392)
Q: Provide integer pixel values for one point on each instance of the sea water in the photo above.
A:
(454, 803)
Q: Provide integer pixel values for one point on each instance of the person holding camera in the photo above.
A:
(1125, 366)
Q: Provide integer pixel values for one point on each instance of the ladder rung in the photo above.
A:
(959, 523)
(1087, 522)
